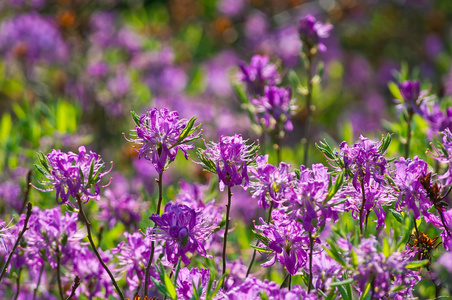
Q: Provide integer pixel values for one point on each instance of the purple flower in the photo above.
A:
(270, 182)
(183, 230)
(411, 193)
(71, 174)
(188, 280)
(412, 97)
(258, 74)
(32, 38)
(364, 161)
(312, 32)
(133, 256)
(275, 108)
(284, 241)
(444, 155)
(229, 159)
(161, 133)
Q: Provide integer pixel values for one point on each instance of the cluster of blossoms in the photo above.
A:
(229, 159)
(182, 229)
(32, 38)
(161, 133)
(258, 74)
(72, 175)
(312, 32)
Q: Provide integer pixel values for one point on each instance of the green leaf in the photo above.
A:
(385, 142)
(333, 253)
(136, 118)
(344, 293)
(186, 131)
(260, 249)
(394, 89)
(417, 264)
(42, 170)
(241, 93)
(260, 237)
(354, 258)
(176, 273)
(5, 127)
(169, 286)
(160, 287)
(337, 185)
(293, 79)
(338, 283)
(366, 292)
(397, 215)
(72, 209)
(386, 250)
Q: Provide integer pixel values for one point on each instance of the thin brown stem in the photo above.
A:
(226, 229)
(39, 282)
(151, 255)
(29, 207)
(76, 284)
(88, 227)
(285, 280)
(26, 193)
(311, 248)
(361, 211)
(58, 275)
(308, 106)
(408, 139)
(443, 221)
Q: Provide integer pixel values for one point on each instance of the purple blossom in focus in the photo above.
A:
(411, 194)
(182, 229)
(72, 174)
(269, 183)
(275, 107)
(312, 32)
(285, 241)
(32, 38)
(159, 132)
(258, 74)
(229, 159)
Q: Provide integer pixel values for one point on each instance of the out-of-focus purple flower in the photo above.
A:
(161, 133)
(444, 155)
(411, 193)
(231, 7)
(436, 118)
(324, 269)
(72, 174)
(258, 74)
(286, 242)
(183, 230)
(218, 73)
(103, 27)
(268, 180)
(119, 85)
(312, 32)
(133, 256)
(382, 272)
(229, 159)
(98, 69)
(275, 107)
(364, 161)
(32, 38)
(187, 278)
(412, 96)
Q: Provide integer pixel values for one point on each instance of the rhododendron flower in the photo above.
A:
(229, 159)
(182, 229)
(161, 133)
(72, 174)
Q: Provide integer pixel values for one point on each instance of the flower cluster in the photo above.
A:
(161, 133)
(275, 107)
(312, 32)
(182, 229)
(258, 74)
(229, 159)
(71, 174)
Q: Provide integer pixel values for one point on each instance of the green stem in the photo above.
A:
(88, 227)
(226, 229)
(311, 248)
(29, 207)
(361, 211)
(308, 105)
(408, 139)
(18, 284)
(58, 273)
(151, 255)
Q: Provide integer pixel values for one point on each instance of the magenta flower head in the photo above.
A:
(443, 154)
(71, 174)
(312, 32)
(161, 133)
(32, 38)
(229, 159)
(412, 96)
(275, 107)
(183, 229)
(258, 74)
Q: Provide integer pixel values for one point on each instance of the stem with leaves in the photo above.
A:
(29, 207)
(76, 284)
(151, 256)
(26, 193)
(88, 227)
